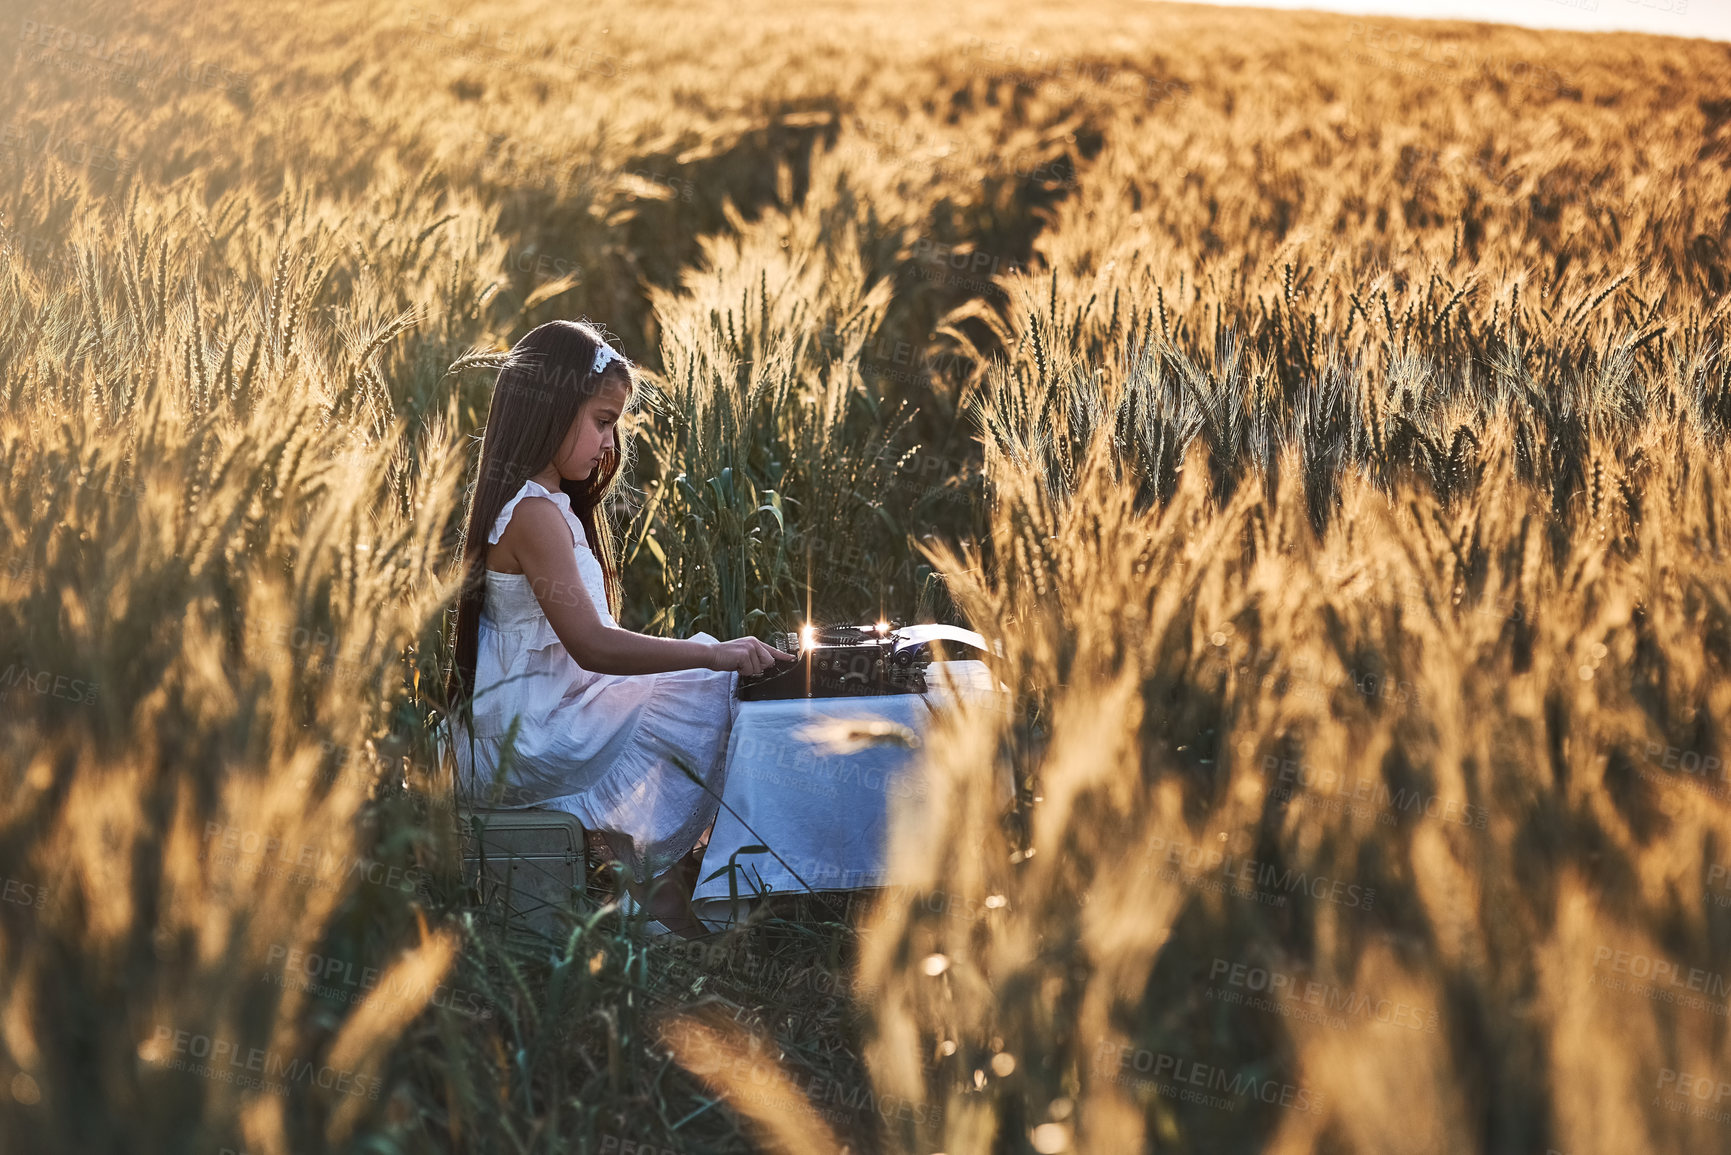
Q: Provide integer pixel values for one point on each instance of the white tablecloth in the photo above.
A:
(825, 813)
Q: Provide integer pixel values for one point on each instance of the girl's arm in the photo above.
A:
(541, 542)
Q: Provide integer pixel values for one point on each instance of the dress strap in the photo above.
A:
(533, 488)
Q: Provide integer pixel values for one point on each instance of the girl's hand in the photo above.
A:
(747, 655)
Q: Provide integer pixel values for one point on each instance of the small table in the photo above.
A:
(811, 778)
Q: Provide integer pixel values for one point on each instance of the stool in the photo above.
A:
(526, 865)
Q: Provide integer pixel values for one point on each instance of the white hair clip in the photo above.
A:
(603, 354)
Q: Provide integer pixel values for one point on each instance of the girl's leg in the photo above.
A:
(667, 896)
(670, 896)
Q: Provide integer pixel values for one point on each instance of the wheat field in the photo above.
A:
(1328, 414)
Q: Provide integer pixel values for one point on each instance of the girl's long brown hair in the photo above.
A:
(535, 399)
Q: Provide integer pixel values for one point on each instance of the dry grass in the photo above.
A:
(1328, 414)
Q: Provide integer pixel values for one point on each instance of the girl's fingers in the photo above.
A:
(762, 656)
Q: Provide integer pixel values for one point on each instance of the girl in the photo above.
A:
(552, 703)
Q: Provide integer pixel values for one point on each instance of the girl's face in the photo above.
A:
(591, 434)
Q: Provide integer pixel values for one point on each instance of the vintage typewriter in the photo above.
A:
(844, 661)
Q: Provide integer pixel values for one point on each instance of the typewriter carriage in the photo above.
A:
(882, 657)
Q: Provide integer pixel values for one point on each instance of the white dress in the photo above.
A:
(604, 747)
